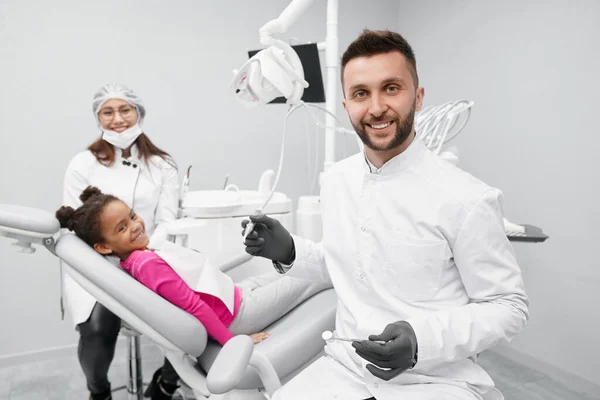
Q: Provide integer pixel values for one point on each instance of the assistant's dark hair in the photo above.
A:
(371, 43)
(85, 220)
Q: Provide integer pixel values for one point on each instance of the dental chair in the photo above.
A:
(238, 370)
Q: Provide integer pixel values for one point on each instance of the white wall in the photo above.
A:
(532, 70)
(179, 57)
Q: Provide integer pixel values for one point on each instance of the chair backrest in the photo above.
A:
(144, 310)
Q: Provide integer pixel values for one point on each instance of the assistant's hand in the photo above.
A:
(269, 239)
(398, 354)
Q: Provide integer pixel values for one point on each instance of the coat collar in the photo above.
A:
(135, 152)
(414, 153)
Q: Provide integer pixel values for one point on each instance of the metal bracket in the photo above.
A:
(50, 244)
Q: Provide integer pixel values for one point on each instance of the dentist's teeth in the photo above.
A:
(381, 126)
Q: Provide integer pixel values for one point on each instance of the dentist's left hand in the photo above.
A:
(398, 353)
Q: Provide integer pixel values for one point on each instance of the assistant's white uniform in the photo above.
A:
(151, 190)
(418, 240)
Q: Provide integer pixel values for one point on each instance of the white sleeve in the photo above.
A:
(310, 261)
(310, 257)
(498, 309)
(75, 180)
(168, 202)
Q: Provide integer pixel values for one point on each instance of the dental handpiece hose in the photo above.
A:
(250, 225)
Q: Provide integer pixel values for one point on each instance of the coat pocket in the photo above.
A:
(413, 268)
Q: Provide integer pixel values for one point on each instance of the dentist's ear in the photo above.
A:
(420, 95)
(102, 249)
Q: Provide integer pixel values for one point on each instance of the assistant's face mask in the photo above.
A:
(124, 139)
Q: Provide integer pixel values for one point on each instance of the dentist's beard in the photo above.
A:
(404, 127)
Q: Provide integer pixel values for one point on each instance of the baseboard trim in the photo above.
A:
(12, 360)
(567, 378)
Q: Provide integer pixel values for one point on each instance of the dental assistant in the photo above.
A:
(125, 163)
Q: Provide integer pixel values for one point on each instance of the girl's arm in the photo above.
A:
(160, 277)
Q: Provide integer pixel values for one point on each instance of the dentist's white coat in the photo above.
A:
(150, 189)
(419, 240)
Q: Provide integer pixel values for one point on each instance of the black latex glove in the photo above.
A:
(269, 239)
(398, 354)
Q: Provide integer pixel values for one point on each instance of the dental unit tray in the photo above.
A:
(532, 234)
(231, 203)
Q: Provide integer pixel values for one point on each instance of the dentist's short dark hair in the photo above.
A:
(371, 43)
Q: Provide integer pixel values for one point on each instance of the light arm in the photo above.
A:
(281, 24)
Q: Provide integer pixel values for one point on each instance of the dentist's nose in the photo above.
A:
(378, 107)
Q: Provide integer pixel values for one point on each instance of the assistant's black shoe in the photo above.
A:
(159, 389)
(152, 387)
(101, 396)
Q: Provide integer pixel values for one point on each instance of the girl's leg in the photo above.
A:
(268, 297)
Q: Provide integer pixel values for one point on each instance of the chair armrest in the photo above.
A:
(229, 367)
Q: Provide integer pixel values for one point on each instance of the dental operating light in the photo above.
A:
(273, 72)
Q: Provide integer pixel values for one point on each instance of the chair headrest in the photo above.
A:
(38, 223)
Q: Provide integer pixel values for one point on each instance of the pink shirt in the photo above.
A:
(154, 273)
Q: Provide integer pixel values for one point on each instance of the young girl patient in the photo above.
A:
(112, 228)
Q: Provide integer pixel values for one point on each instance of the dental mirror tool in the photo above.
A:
(328, 335)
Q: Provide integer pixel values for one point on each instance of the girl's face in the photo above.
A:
(123, 231)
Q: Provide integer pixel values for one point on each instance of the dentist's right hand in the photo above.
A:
(269, 239)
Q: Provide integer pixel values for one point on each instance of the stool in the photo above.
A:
(135, 383)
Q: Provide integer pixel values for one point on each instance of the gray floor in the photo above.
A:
(61, 379)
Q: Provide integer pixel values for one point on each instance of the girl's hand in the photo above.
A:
(259, 337)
